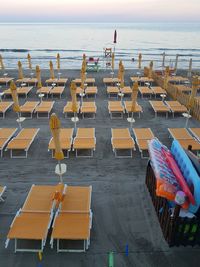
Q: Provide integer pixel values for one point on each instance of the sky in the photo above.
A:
(99, 11)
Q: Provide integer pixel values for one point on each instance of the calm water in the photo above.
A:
(44, 41)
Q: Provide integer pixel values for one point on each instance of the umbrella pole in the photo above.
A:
(19, 121)
(131, 120)
(75, 121)
(60, 171)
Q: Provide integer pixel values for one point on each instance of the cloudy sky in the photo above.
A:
(99, 10)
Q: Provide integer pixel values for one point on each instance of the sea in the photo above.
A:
(72, 40)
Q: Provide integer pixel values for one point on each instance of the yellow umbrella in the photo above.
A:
(134, 96)
(166, 78)
(20, 71)
(139, 60)
(58, 61)
(195, 86)
(150, 70)
(119, 71)
(38, 76)
(82, 78)
(122, 76)
(1, 63)
(73, 95)
(113, 61)
(52, 76)
(29, 61)
(13, 88)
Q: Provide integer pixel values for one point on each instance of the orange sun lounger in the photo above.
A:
(88, 108)
(57, 91)
(159, 107)
(4, 106)
(44, 90)
(5, 135)
(68, 108)
(176, 107)
(5, 80)
(21, 91)
(195, 132)
(73, 221)
(145, 91)
(45, 107)
(110, 81)
(88, 81)
(65, 141)
(122, 140)
(116, 109)
(91, 91)
(32, 222)
(112, 91)
(126, 90)
(157, 90)
(128, 105)
(2, 190)
(142, 136)
(85, 140)
(141, 80)
(22, 142)
(29, 107)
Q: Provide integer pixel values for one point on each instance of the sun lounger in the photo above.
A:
(110, 81)
(184, 138)
(142, 136)
(65, 141)
(68, 108)
(177, 79)
(44, 90)
(88, 81)
(176, 107)
(183, 88)
(73, 221)
(88, 108)
(159, 107)
(57, 90)
(50, 81)
(121, 140)
(112, 91)
(21, 91)
(79, 91)
(5, 80)
(31, 224)
(22, 142)
(145, 91)
(2, 190)
(157, 90)
(91, 91)
(195, 132)
(4, 106)
(29, 81)
(61, 81)
(45, 107)
(116, 109)
(128, 106)
(5, 135)
(29, 107)
(85, 140)
(142, 80)
(126, 90)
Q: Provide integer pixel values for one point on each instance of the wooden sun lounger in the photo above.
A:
(157, 90)
(159, 107)
(79, 91)
(22, 142)
(88, 81)
(85, 140)
(142, 136)
(44, 90)
(5, 135)
(128, 105)
(29, 107)
(57, 91)
(91, 91)
(45, 107)
(21, 91)
(115, 108)
(195, 132)
(141, 80)
(177, 79)
(51, 81)
(144, 90)
(126, 90)
(88, 108)
(65, 141)
(68, 108)
(122, 140)
(61, 81)
(29, 81)
(112, 91)
(110, 81)
(5, 80)
(31, 223)
(176, 107)
(4, 106)
(73, 221)
(183, 88)
(2, 190)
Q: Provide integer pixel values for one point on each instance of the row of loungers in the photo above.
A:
(39, 108)
(88, 108)
(19, 144)
(64, 211)
(118, 108)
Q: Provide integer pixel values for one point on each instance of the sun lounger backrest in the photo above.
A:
(121, 133)
(143, 133)
(85, 133)
(7, 132)
(27, 133)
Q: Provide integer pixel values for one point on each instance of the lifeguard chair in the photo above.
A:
(107, 54)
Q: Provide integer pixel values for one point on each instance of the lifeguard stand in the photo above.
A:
(107, 55)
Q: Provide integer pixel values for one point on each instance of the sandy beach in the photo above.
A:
(122, 209)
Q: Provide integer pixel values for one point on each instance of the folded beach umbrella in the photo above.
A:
(150, 70)
(115, 37)
(119, 70)
(195, 86)
(122, 76)
(166, 78)
(73, 95)
(84, 64)
(38, 76)
(113, 61)
(82, 78)
(163, 60)
(139, 61)
(190, 68)
(176, 63)
(29, 61)
(1, 63)
(20, 71)
(52, 76)
(13, 88)
(134, 96)
(58, 61)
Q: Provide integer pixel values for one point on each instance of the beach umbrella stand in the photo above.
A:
(131, 120)
(20, 120)
(75, 119)
(60, 170)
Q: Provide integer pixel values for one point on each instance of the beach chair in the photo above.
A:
(157, 90)
(44, 90)
(142, 136)
(116, 109)
(110, 81)
(28, 107)
(112, 91)
(45, 107)
(176, 107)
(57, 91)
(4, 107)
(122, 141)
(2, 190)
(159, 107)
(177, 79)
(21, 91)
(145, 91)
(88, 108)
(51, 81)
(68, 108)
(183, 88)
(22, 142)
(142, 80)
(91, 91)
(79, 91)
(5, 135)
(5, 80)
(65, 142)
(195, 132)
(61, 81)
(126, 90)
(85, 140)
(31, 224)
(73, 220)
(185, 139)
(29, 81)
(128, 106)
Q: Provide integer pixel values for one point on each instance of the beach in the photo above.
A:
(123, 213)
